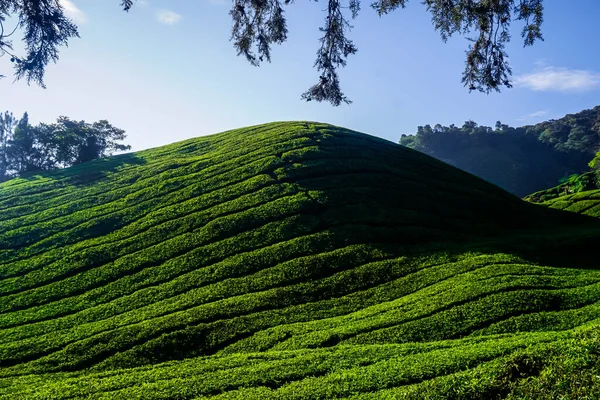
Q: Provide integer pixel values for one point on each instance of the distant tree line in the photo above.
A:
(521, 160)
(28, 148)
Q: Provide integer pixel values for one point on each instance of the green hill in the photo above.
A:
(290, 260)
(521, 160)
(580, 194)
(574, 184)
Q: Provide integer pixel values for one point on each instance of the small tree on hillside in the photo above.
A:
(22, 152)
(26, 148)
(7, 125)
(78, 141)
(595, 163)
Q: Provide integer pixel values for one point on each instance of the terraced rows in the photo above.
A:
(287, 259)
(586, 203)
(473, 368)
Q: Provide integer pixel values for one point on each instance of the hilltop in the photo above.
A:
(522, 160)
(290, 260)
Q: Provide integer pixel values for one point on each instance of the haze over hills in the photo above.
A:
(290, 260)
(522, 160)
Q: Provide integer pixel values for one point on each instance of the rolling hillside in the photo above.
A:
(585, 182)
(580, 195)
(290, 260)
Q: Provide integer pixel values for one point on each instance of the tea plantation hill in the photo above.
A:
(290, 260)
(580, 196)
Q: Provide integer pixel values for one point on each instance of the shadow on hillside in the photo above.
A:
(571, 243)
(375, 193)
(87, 173)
(571, 246)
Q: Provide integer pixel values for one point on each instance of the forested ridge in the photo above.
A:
(522, 160)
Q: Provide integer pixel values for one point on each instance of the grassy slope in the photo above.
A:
(579, 195)
(293, 260)
(585, 182)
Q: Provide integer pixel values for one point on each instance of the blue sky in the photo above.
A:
(166, 71)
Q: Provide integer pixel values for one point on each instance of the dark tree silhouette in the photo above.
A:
(45, 28)
(258, 24)
(7, 125)
(27, 148)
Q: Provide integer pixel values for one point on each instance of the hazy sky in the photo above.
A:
(166, 71)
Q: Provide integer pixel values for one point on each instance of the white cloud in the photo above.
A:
(559, 79)
(536, 114)
(73, 12)
(168, 17)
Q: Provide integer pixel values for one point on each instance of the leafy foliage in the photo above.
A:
(259, 24)
(45, 30)
(287, 260)
(486, 69)
(335, 49)
(521, 160)
(7, 125)
(25, 148)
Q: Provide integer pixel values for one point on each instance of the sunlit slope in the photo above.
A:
(298, 249)
(586, 203)
(581, 196)
(535, 365)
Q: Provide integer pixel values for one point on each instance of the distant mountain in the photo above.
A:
(291, 260)
(521, 160)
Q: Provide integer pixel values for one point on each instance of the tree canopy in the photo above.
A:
(27, 148)
(521, 160)
(258, 24)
